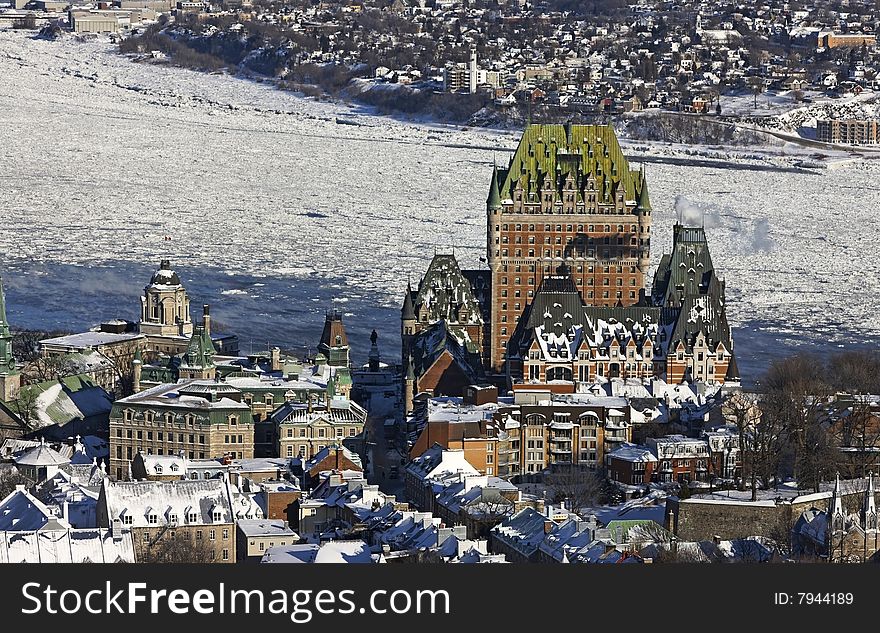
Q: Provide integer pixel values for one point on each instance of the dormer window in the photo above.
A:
(172, 516)
(126, 517)
(158, 469)
(174, 468)
(151, 515)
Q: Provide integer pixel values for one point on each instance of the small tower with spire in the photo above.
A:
(869, 510)
(10, 379)
(407, 324)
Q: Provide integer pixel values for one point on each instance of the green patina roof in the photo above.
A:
(578, 150)
(7, 362)
(200, 351)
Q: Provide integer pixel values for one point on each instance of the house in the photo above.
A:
(178, 521)
(433, 464)
(334, 457)
(255, 536)
(631, 466)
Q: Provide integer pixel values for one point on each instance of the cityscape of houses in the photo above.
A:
(506, 62)
(558, 405)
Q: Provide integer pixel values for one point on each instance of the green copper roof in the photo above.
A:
(7, 362)
(200, 351)
(582, 151)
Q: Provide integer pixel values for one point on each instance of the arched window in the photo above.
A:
(559, 373)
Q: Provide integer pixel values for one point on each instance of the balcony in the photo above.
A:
(560, 450)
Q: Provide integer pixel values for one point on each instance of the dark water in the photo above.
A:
(289, 311)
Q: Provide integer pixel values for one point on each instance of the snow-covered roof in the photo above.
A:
(41, 455)
(437, 461)
(169, 395)
(21, 511)
(90, 545)
(200, 499)
(264, 527)
(332, 552)
(632, 453)
(87, 340)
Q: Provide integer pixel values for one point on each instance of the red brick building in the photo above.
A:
(567, 195)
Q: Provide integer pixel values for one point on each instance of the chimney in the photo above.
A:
(206, 318)
(548, 526)
(275, 359)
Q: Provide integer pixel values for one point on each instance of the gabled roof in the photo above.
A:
(429, 345)
(135, 498)
(21, 511)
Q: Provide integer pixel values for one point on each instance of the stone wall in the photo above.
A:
(697, 519)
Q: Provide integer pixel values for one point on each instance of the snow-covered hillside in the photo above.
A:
(273, 211)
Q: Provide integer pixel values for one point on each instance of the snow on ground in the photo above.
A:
(272, 211)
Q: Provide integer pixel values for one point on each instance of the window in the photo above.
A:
(225, 534)
(212, 535)
(290, 450)
(225, 554)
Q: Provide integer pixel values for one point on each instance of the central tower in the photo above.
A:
(567, 197)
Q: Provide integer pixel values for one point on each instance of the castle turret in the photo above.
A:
(407, 324)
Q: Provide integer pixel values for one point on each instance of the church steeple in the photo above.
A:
(837, 510)
(7, 361)
(870, 509)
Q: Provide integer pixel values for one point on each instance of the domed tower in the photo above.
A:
(165, 305)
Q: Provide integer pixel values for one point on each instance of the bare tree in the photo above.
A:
(9, 479)
(177, 547)
(25, 406)
(579, 487)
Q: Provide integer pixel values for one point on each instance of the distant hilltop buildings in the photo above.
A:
(565, 300)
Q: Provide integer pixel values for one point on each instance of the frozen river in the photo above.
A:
(273, 212)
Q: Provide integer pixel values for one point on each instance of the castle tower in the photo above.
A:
(10, 379)
(568, 195)
(165, 305)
